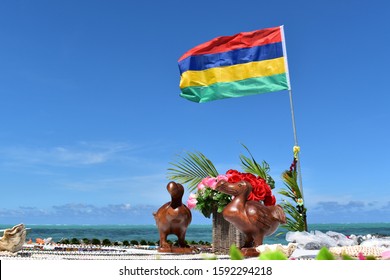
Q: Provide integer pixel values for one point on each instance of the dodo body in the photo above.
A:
(252, 218)
(173, 217)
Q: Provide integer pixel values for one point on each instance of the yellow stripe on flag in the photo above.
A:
(233, 73)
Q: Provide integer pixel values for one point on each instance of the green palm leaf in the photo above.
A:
(191, 168)
(290, 181)
(250, 165)
(296, 221)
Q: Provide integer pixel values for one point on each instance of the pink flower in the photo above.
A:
(386, 255)
(201, 186)
(191, 202)
(222, 177)
(361, 256)
(210, 182)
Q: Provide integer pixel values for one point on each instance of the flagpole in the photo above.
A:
(296, 142)
(291, 108)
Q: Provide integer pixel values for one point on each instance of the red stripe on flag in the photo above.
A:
(238, 41)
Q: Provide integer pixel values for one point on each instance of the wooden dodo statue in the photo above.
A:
(252, 218)
(173, 218)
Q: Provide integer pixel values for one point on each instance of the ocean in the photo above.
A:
(194, 232)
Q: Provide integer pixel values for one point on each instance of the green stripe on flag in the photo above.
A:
(241, 88)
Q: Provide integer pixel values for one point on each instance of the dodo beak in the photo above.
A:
(220, 185)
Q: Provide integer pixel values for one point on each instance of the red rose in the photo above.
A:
(257, 194)
(260, 189)
(250, 179)
(232, 172)
(264, 185)
(234, 178)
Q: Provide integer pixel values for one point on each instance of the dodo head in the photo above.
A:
(234, 188)
(176, 190)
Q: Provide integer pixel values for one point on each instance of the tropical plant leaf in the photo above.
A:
(295, 220)
(191, 168)
(250, 165)
(290, 181)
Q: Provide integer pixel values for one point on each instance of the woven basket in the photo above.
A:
(224, 235)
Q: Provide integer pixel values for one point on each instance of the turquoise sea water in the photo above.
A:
(194, 232)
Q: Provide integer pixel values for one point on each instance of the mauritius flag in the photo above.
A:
(233, 66)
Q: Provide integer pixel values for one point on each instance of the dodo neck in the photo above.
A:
(176, 191)
(242, 197)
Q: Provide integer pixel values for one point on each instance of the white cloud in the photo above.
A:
(83, 153)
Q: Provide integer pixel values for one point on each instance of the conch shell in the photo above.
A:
(13, 239)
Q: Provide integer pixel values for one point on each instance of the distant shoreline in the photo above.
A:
(196, 225)
(195, 232)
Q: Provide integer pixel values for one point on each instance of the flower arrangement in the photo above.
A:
(207, 198)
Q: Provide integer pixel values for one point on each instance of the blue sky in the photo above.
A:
(91, 114)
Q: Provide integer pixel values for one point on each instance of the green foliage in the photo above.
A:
(235, 253)
(74, 241)
(134, 242)
(273, 255)
(64, 241)
(95, 241)
(86, 241)
(143, 242)
(106, 242)
(290, 181)
(126, 243)
(250, 165)
(209, 199)
(296, 215)
(191, 168)
(324, 254)
(294, 219)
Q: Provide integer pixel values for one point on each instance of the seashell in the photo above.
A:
(287, 250)
(354, 251)
(13, 239)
